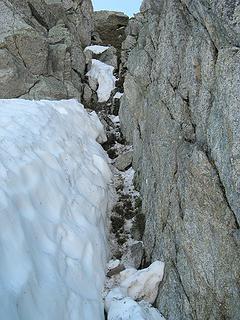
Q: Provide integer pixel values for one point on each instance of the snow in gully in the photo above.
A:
(54, 197)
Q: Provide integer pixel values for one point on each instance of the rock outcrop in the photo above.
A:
(111, 25)
(41, 47)
(181, 113)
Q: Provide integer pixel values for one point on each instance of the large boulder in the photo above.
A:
(111, 27)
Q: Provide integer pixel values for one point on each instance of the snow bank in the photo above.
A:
(53, 201)
(103, 74)
(96, 49)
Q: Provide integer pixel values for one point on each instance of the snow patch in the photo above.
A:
(142, 286)
(118, 95)
(96, 49)
(53, 201)
(128, 309)
(103, 74)
(114, 119)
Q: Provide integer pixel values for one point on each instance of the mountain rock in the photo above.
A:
(41, 45)
(111, 25)
(181, 112)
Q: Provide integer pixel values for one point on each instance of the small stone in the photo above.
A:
(114, 267)
(87, 94)
(124, 161)
(136, 251)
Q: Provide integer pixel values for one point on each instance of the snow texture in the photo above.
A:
(103, 74)
(134, 286)
(128, 309)
(96, 49)
(53, 203)
(142, 284)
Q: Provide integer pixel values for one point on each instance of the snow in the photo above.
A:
(142, 284)
(131, 299)
(118, 95)
(114, 119)
(128, 309)
(96, 49)
(103, 74)
(128, 177)
(54, 198)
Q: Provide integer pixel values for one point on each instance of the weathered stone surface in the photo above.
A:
(43, 43)
(11, 70)
(124, 160)
(181, 113)
(48, 88)
(111, 25)
(136, 254)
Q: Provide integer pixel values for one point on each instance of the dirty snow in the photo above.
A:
(103, 74)
(96, 49)
(53, 201)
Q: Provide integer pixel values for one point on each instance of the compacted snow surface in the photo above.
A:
(54, 197)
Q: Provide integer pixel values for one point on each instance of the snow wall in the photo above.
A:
(54, 197)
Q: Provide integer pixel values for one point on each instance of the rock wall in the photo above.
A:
(111, 25)
(181, 113)
(41, 47)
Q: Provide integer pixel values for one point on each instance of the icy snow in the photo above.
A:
(103, 74)
(96, 49)
(53, 202)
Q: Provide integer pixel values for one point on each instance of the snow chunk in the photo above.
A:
(114, 119)
(53, 202)
(103, 74)
(118, 95)
(143, 284)
(138, 285)
(128, 309)
(96, 49)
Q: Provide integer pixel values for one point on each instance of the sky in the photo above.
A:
(127, 6)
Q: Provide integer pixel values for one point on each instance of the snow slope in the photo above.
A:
(53, 201)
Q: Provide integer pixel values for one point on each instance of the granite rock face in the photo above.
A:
(111, 25)
(181, 113)
(41, 47)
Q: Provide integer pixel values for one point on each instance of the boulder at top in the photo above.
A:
(111, 27)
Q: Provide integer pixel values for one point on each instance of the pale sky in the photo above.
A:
(127, 6)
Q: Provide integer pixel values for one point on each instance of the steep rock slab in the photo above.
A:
(181, 110)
